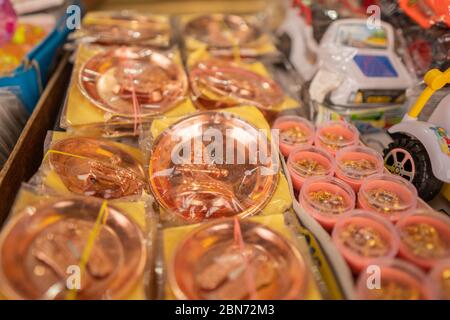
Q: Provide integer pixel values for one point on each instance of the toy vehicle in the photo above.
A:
(427, 12)
(421, 150)
(366, 62)
(424, 25)
(305, 25)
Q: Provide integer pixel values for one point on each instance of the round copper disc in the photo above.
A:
(125, 28)
(209, 264)
(97, 167)
(133, 82)
(222, 31)
(232, 85)
(228, 178)
(39, 246)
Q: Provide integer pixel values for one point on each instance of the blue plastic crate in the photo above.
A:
(31, 76)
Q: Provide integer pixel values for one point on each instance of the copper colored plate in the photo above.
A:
(133, 82)
(232, 85)
(126, 28)
(204, 189)
(222, 31)
(209, 264)
(96, 167)
(38, 246)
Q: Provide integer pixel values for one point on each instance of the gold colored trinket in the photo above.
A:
(391, 290)
(328, 201)
(445, 277)
(332, 137)
(424, 241)
(384, 200)
(360, 165)
(333, 141)
(310, 167)
(365, 241)
(293, 135)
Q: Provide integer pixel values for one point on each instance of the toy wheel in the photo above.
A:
(409, 159)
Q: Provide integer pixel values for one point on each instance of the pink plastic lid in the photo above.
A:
(335, 135)
(439, 280)
(326, 199)
(295, 131)
(362, 236)
(356, 163)
(425, 238)
(398, 280)
(308, 161)
(388, 195)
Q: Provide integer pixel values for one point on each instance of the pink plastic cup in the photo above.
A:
(424, 238)
(336, 135)
(388, 195)
(362, 237)
(399, 280)
(439, 280)
(326, 199)
(356, 163)
(294, 132)
(308, 161)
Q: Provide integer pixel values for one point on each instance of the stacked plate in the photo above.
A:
(13, 117)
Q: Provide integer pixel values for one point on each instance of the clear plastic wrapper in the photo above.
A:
(125, 28)
(222, 83)
(90, 166)
(215, 164)
(114, 89)
(226, 35)
(71, 247)
(360, 75)
(255, 258)
(368, 68)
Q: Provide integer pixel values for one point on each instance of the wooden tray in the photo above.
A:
(26, 157)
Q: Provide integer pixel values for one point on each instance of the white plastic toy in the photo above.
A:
(363, 58)
(421, 150)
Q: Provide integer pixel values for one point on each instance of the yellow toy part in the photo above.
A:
(435, 80)
(446, 191)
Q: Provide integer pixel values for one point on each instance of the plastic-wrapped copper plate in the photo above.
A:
(219, 84)
(125, 27)
(96, 167)
(133, 82)
(210, 264)
(39, 245)
(222, 31)
(211, 165)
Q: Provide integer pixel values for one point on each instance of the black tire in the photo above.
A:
(427, 185)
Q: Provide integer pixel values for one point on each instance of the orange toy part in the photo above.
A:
(427, 12)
